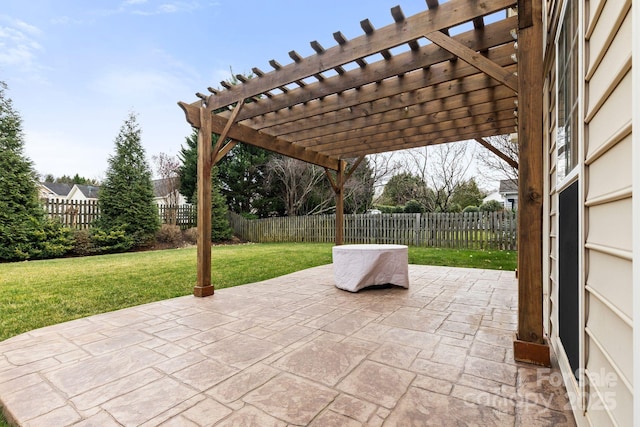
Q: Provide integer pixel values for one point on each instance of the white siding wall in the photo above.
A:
(608, 296)
(607, 215)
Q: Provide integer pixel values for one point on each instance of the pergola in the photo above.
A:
(446, 74)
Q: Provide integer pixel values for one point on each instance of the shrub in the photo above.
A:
(82, 243)
(190, 236)
(454, 208)
(413, 206)
(55, 240)
(491, 206)
(470, 209)
(389, 209)
(169, 234)
(111, 241)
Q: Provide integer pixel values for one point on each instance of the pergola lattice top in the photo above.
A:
(358, 98)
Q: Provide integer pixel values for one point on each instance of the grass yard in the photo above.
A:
(34, 294)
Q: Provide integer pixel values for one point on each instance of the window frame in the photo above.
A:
(567, 94)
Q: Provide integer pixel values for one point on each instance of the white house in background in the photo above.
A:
(495, 196)
(63, 191)
(507, 195)
(83, 192)
(509, 192)
(166, 193)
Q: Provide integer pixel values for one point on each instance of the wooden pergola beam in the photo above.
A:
(474, 59)
(433, 113)
(250, 136)
(494, 150)
(414, 88)
(430, 112)
(388, 37)
(451, 136)
(433, 130)
(389, 110)
(457, 91)
(224, 150)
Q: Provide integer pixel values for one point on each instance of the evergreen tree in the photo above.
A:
(126, 196)
(21, 215)
(220, 229)
(467, 193)
(403, 187)
(242, 175)
(188, 171)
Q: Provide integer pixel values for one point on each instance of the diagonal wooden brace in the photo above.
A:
(474, 59)
(225, 131)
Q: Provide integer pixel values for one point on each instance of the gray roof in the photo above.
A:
(161, 186)
(89, 191)
(508, 186)
(59, 188)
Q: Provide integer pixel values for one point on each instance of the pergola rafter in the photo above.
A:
(449, 73)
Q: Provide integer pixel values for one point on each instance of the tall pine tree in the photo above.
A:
(21, 215)
(126, 195)
(220, 228)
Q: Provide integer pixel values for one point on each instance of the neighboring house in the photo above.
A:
(83, 192)
(63, 191)
(591, 210)
(54, 190)
(494, 196)
(165, 191)
(509, 193)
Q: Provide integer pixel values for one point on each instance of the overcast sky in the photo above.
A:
(76, 68)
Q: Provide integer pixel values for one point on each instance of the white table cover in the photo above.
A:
(358, 266)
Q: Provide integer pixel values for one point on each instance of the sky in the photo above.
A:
(76, 69)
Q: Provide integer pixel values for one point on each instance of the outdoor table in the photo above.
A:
(358, 266)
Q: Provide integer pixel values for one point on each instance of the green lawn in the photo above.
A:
(34, 294)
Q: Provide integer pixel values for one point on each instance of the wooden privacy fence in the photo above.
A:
(470, 230)
(72, 213)
(81, 213)
(184, 216)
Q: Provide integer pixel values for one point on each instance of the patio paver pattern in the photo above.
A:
(291, 351)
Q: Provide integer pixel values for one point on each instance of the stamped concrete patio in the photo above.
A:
(290, 351)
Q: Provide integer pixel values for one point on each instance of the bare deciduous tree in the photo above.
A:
(296, 180)
(493, 166)
(167, 167)
(442, 167)
(382, 166)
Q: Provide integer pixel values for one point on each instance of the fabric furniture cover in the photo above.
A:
(358, 266)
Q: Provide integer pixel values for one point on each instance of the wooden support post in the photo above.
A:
(339, 189)
(203, 286)
(530, 345)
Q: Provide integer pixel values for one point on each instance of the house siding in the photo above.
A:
(603, 395)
